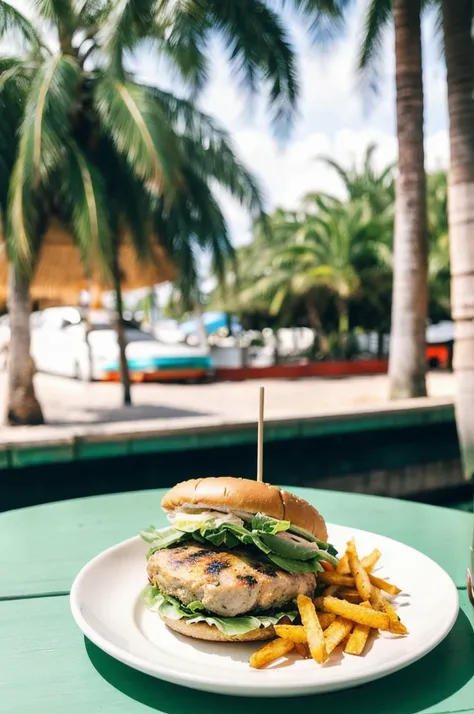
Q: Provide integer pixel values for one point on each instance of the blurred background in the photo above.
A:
(198, 197)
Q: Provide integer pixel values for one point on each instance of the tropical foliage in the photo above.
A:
(329, 264)
(85, 143)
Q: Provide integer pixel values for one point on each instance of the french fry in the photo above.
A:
(388, 608)
(347, 581)
(370, 561)
(313, 629)
(376, 600)
(270, 652)
(383, 585)
(336, 633)
(331, 590)
(362, 581)
(302, 650)
(343, 566)
(357, 613)
(358, 638)
(350, 594)
(295, 633)
(398, 628)
(325, 619)
(334, 578)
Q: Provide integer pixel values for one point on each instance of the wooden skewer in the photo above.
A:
(260, 436)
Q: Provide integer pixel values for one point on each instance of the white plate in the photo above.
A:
(107, 606)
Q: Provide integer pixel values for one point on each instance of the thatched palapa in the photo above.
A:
(60, 276)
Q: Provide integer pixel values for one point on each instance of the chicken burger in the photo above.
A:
(234, 559)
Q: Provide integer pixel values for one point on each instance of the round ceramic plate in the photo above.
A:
(106, 604)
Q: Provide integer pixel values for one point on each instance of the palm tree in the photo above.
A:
(106, 155)
(457, 24)
(365, 182)
(326, 251)
(407, 368)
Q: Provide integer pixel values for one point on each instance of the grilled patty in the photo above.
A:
(227, 582)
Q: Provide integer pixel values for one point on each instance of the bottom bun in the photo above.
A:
(203, 631)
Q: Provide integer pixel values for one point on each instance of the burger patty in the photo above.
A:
(227, 582)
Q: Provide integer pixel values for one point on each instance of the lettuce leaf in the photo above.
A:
(266, 524)
(163, 538)
(195, 612)
(263, 535)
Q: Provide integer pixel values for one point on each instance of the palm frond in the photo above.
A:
(378, 16)
(86, 204)
(127, 22)
(192, 224)
(259, 49)
(44, 131)
(264, 289)
(13, 21)
(93, 13)
(60, 12)
(182, 29)
(13, 69)
(128, 200)
(217, 161)
(12, 102)
(138, 129)
(208, 151)
(279, 299)
(341, 172)
(325, 19)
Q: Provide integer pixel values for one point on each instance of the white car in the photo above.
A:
(62, 344)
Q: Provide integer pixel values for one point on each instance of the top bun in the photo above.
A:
(240, 494)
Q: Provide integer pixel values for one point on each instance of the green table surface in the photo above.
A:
(48, 667)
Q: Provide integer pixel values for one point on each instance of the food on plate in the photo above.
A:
(270, 652)
(358, 637)
(302, 650)
(312, 627)
(368, 563)
(295, 633)
(371, 560)
(235, 558)
(384, 585)
(349, 606)
(336, 633)
(347, 581)
(357, 613)
(361, 577)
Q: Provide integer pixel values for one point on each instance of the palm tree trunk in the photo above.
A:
(343, 317)
(200, 326)
(22, 406)
(407, 366)
(460, 68)
(120, 328)
(314, 320)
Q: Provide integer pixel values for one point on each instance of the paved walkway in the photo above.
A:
(67, 402)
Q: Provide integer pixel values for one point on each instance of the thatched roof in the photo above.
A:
(59, 276)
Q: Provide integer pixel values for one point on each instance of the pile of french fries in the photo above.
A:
(353, 603)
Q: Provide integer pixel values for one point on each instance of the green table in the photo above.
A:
(47, 666)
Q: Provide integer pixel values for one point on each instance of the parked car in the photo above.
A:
(62, 344)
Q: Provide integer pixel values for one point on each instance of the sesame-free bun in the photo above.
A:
(240, 494)
(203, 631)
